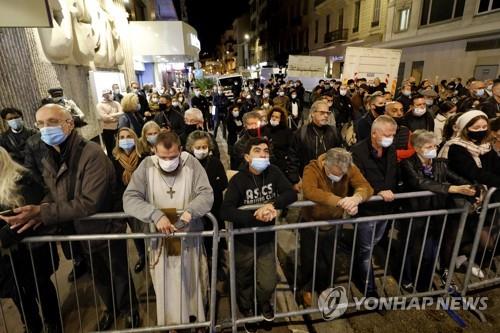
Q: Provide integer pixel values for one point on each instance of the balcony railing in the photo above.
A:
(336, 36)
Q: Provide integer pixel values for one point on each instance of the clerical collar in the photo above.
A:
(17, 132)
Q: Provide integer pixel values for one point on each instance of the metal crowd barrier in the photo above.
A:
(406, 218)
(340, 251)
(89, 296)
(484, 247)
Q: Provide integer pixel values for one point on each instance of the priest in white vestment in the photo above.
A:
(172, 179)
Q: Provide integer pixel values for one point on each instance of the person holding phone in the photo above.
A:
(18, 188)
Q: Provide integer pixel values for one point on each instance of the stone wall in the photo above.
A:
(26, 75)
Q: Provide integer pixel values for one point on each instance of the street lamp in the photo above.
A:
(247, 37)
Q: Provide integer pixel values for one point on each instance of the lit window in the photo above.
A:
(404, 19)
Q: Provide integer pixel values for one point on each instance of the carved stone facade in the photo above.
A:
(27, 70)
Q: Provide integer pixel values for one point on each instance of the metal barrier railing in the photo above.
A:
(110, 239)
(484, 247)
(432, 226)
(409, 218)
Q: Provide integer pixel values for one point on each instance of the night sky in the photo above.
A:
(212, 18)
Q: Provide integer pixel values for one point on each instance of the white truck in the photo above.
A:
(371, 63)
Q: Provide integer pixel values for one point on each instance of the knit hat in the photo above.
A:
(464, 119)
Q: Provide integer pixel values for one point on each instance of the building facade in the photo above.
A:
(445, 39)
(336, 24)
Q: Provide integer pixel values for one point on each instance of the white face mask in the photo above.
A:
(480, 92)
(294, 96)
(334, 178)
(281, 93)
(249, 97)
(429, 102)
(266, 95)
(154, 100)
(343, 92)
(419, 111)
(168, 165)
(274, 123)
(430, 154)
(116, 91)
(236, 114)
(490, 87)
(266, 105)
(386, 141)
(200, 153)
(175, 103)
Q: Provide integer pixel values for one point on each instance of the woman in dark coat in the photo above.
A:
(423, 172)
(280, 137)
(200, 145)
(234, 125)
(471, 156)
(126, 160)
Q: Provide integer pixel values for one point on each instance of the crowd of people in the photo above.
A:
(162, 166)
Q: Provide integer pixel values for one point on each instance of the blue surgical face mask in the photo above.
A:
(16, 124)
(53, 136)
(260, 164)
(152, 139)
(126, 144)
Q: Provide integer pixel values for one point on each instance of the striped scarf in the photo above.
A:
(129, 164)
(475, 150)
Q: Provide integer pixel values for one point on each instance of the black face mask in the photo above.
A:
(252, 132)
(162, 106)
(399, 121)
(380, 110)
(477, 135)
(190, 128)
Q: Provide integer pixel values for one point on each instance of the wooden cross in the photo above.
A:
(171, 192)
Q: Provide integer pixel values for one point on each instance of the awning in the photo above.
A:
(164, 41)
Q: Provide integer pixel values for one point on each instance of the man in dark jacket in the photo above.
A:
(201, 102)
(14, 139)
(342, 107)
(376, 159)
(258, 182)
(80, 181)
(169, 117)
(363, 125)
(405, 96)
(476, 96)
(419, 117)
(312, 140)
(253, 129)
(143, 101)
(492, 105)
(221, 104)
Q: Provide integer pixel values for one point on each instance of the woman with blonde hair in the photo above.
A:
(147, 140)
(126, 160)
(18, 188)
(131, 117)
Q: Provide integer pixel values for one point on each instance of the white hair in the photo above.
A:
(195, 113)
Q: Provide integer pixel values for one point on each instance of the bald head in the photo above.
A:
(53, 115)
(476, 88)
(394, 109)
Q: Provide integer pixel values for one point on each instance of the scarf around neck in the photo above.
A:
(129, 164)
(475, 150)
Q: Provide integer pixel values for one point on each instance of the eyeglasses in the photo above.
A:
(51, 123)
